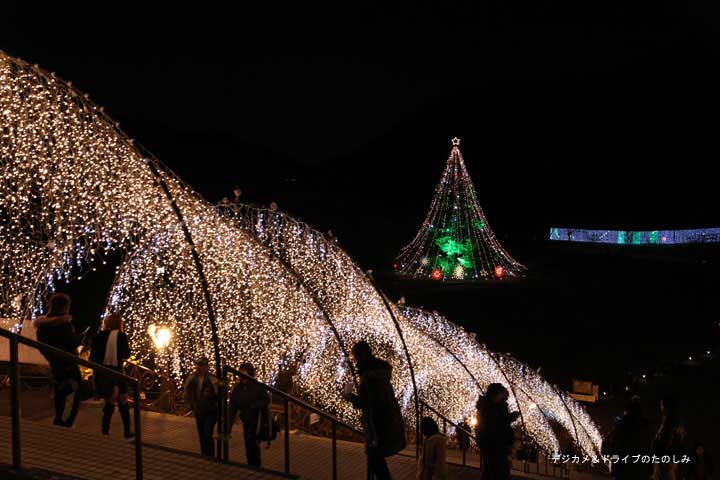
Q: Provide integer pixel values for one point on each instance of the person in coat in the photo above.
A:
(494, 432)
(669, 440)
(110, 348)
(381, 416)
(631, 436)
(249, 400)
(56, 330)
(432, 464)
(200, 392)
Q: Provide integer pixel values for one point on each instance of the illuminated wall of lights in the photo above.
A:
(636, 237)
(74, 187)
(455, 241)
(435, 344)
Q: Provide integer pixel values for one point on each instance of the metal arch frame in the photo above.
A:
(383, 298)
(572, 416)
(512, 386)
(457, 359)
(155, 166)
(196, 261)
(308, 290)
(452, 354)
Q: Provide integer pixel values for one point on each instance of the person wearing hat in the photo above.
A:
(201, 394)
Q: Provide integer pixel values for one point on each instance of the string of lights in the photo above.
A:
(455, 241)
(466, 368)
(74, 188)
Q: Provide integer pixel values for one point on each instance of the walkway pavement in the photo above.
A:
(310, 456)
(79, 454)
(172, 452)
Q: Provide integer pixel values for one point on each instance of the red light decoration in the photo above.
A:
(395, 266)
(499, 271)
(437, 274)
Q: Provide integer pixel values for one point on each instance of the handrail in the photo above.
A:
(287, 398)
(14, 374)
(424, 405)
(445, 419)
(66, 356)
(293, 399)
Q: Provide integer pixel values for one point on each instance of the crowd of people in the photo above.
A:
(382, 420)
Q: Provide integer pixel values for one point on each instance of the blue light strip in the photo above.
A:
(636, 237)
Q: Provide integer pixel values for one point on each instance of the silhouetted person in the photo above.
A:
(381, 417)
(494, 432)
(432, 464)
(669, 440)
(630, 436)
(701, 465)
(249, 399)
(463, 438)
(56, 329)
(110, 348)
(201, 395)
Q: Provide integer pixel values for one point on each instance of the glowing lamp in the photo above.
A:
(473, 421)
(499, 271)
(160, 336)
(437, 274)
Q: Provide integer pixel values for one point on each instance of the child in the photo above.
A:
(432, 464)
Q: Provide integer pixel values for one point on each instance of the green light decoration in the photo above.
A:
(621, 237)
(455, 240)
(654, 237)
(451, 247)
(637, 238)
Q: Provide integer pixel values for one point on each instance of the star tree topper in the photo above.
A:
(455, 141)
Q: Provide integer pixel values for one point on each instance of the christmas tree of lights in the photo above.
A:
(455, 240)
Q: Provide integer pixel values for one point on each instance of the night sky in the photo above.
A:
(597, 114)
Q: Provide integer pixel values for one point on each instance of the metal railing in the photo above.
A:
(14, 376)
(287, 399)
(445, 421)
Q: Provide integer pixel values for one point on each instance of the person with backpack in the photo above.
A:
(251, 401)
(56, 330)
(110, 348)
(200, 392)
(494, 432)
(381, 416)
(432, 464)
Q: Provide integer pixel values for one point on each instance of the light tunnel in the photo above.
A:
(234, 283)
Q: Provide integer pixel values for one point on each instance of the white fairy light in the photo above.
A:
(74, 189)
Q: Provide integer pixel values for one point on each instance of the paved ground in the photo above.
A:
(310, 456)
(78, 454)
(75, 452)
